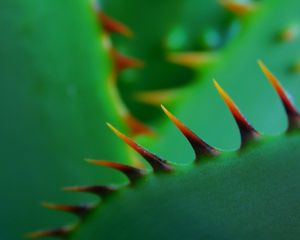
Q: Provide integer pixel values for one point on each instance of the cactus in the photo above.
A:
(63, 76)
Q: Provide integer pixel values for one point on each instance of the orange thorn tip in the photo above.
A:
(56, 232)
(79, 210)
(200, 147)
(99, 190)
(157, 163)
(132, 173)
(111, 25)
(192, 59)
(247, 132)
(237, 8)
(123, 62)
(291, 111)
(156, 97)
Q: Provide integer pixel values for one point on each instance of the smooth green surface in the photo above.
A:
(54, 104)
(253, 194)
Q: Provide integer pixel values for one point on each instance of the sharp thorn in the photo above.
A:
(79, 210)
(123, 62)
(247, 132)
(291, 111)
(200, 147)
(101, 191)
(192, 59)
(56, 232)
(237, 8)
(157, 163)
(132, 173)
(111, 25)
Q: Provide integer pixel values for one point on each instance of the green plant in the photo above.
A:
(252, 192)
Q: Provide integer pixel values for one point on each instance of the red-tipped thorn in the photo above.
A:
(131, 172)
(56, 232)
(123, 62)
(200, 147)
(247, 132)
(79, 210)
(101, 191)
(157, 163)
(291, 111)
(111, 25)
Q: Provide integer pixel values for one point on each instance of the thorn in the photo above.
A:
(135, 159)
(237, 8)
(157, 97)
(56, 232)
(200, 147)
(101, 191)
(192, 59)
(113, 26)
(157, 163)
(123, 62)
(291, 111)
(79, 210)
(131, 172)
(247, 132)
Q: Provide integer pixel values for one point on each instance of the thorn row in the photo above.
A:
(121, 63)
(157, 163)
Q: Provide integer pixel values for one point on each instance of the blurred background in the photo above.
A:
(55, 98)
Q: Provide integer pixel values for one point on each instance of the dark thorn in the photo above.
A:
(101, 191)
(291, 111)
(79, 210)
(200, 147)
(131, 172)
(247, 132)
(56, 232)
